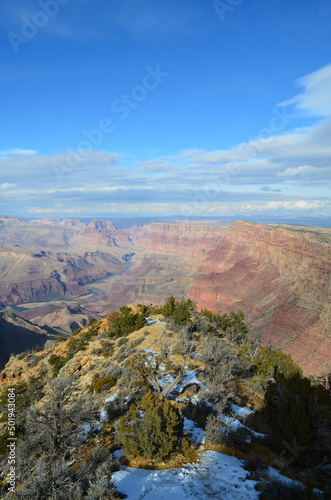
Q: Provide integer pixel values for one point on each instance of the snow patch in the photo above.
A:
(191, 428)
(215, 476)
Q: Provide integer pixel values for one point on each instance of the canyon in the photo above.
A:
(52, 271)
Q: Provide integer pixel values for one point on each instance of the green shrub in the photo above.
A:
(299, 413)
(214, 433)
(57, 362)
(178, 311)
(137, 342)
(60, 338)
(26, 393)
(101, 384)
(77, 342)
(156, 434)
(126, 323)
(266, 362)
(255, 463)
(181, 313)
(279, 490)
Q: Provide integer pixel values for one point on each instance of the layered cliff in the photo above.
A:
(27, 275)
(191, 239)
(280, 278)
(70, 235)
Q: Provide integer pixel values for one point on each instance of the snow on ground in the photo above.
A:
(118, 454)
(103, 416)
(216, 476)
(83, 435)
(151, 321)
(233, 423)
(189, 377)
(274, 474)
(111, 398)
(241, 411)
(191, 428)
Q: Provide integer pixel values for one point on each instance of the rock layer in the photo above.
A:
(280, 278)
(27, 275)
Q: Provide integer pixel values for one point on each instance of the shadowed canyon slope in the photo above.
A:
(17, 335)
(279, 276)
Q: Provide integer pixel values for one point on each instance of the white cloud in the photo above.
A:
(302, 170)
(297, 163)
(316, 96)
(286, 205)
(61, 167)
(16, 152)
(6, 186)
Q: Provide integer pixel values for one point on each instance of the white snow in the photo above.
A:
(103, 413)
(83, 435)
(189, 377)
(276, 475)
(118, 454)
(196, 434)
(241, 411)
(152, 321)
(111, 398)
(215, 476)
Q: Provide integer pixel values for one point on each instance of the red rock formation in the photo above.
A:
(27, 276)
(190, 239)
(280, 278)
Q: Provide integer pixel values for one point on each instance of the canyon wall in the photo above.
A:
(190, 239)
(27, 275)
(280, 278)
(70, 235)
(47, 259)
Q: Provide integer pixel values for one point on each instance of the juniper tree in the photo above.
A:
(155, 433)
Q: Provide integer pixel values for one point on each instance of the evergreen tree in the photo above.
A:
(156, 433)
(298, 413)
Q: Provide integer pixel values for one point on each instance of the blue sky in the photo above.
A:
(165, 107)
